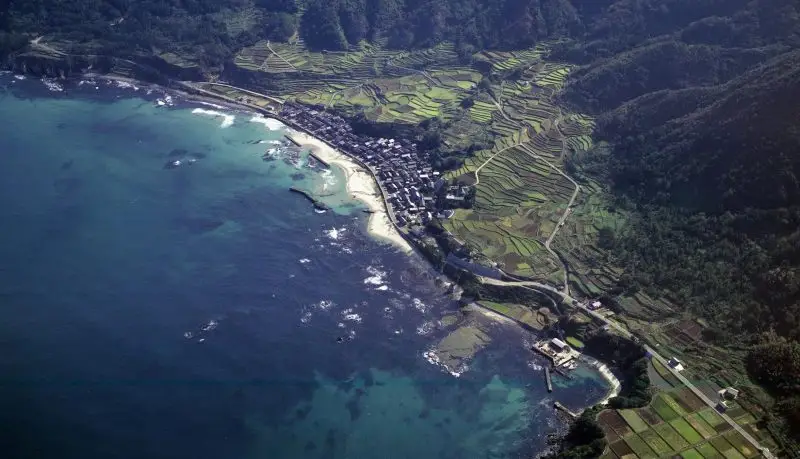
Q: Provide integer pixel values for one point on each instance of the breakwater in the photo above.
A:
(317, 203)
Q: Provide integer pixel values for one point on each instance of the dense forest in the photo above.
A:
(214, 29)
(697, 99)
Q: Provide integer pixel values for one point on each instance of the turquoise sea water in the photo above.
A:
(198, 311)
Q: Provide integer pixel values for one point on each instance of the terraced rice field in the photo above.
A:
(673, 425)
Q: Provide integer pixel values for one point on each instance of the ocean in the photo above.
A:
(203, 311)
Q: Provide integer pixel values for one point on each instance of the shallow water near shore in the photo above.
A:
(203, 311)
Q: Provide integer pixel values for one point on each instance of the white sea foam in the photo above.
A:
(420, 306)
(377, 277)
(227, 120)
(382, 288)
(434, 359)
(535, 366)
(212, 324)
(209, 104)
(271, 124)
(352, 317)
(20, 77)
(426, 328)
(328, 179)
(324, 305)
(125, 85)
(340, 325)
(188, 335)
(52, 85)
(305, 260)
(335, 233)
(306, 318)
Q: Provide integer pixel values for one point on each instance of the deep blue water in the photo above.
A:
(194, 312)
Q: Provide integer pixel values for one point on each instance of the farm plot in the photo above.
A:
(640, 447)
(686, 431)
(656, 443)
(637, 424)
(663, 409)
(671, 436)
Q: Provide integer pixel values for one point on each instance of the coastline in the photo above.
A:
(361, 185)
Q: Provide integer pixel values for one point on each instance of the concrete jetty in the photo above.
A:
(290, 139)
(557, 405)
(317, 203)
(547, 378)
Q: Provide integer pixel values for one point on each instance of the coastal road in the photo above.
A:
(196, 87)
(538, 286)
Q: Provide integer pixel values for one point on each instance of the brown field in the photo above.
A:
(649, 416)
(615, 421)
(688, 400)
(621, 448)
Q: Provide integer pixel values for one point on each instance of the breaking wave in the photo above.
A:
(269, 123)
(227, 120)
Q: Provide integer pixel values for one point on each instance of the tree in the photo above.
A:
(321, 28)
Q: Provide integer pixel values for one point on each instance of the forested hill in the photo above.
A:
(696, 98)
(214, 29)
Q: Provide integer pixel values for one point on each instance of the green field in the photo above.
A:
(640, 447)
(663, 409)
(686, 431)
(691, 454)
(671, 436)
(655, 442)
(637, 424)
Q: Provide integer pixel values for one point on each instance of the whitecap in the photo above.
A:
(20, 77)
(320, 211)
(52, 85)
(426, 328)
(377, 277)
(324, 305)
(188, 335)
(382, 288)
(212, 324)
(352, 317)
(306, 318)
(340, 325)
(270, 123)
(209, 104)
(125, 85)
(328, 179)
(305, 260)
(227, 120)
(335, 233)
(535, 366)
(420, 306)
(434, 359)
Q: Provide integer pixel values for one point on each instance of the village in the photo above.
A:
(408, 181)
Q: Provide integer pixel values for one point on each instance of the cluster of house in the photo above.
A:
(403, 171)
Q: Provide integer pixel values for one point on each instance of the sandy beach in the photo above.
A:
(360, 185)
